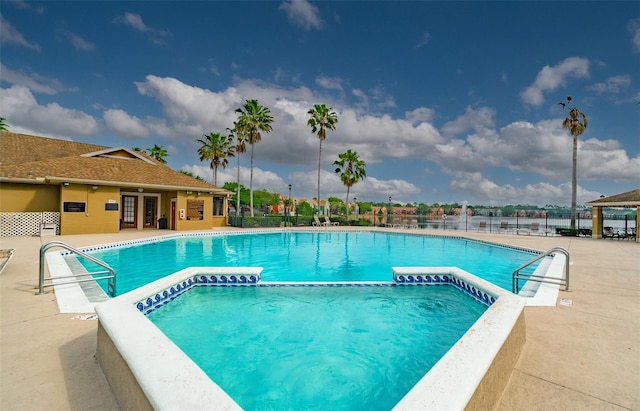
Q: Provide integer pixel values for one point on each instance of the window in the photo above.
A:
(218, 206)
(195, 209)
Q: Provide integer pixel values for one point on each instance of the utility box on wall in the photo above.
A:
(48, 229)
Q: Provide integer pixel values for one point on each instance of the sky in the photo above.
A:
(444, 101)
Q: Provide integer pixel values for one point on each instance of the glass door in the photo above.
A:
(150, 212)
(128, 218)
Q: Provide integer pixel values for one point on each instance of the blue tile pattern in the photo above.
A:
(161, 298)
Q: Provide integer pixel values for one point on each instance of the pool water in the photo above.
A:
(311, 256)
(317, 348)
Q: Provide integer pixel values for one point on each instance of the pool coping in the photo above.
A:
(144, 350)
(71, 298)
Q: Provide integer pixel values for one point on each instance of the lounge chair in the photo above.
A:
(504, 227)
(608, 232)
(535, 229)
(482, 226)
(329, 222)
(317, 222)
(523, 230)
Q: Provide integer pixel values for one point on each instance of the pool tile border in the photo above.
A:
(234, 277)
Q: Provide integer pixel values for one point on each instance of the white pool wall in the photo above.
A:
(148, 371)
(475, 371)
(150, 368)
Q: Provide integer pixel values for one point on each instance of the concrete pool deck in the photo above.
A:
(585, 355)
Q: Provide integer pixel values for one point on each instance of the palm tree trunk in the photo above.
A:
(215, 176)
(574, 182)
(319, 158)
(251, 183)
(347, 203)
(238, 190)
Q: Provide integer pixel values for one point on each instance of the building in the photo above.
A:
(66, 187)
(630, 199)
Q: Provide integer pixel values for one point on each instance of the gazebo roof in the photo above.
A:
(628, 199)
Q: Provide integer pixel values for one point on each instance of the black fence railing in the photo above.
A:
(556, 225)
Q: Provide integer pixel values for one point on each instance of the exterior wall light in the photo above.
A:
(65, 184)
(140, 190)
(94, 188)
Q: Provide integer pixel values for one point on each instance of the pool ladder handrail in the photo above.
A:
(517, 275)
(111, 284)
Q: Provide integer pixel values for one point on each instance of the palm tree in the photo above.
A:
(351, 169)
(253, 119)
(215, 148)
(238, 133)
(322, 118)
(158, 152)
(3, 125)
(190, 174)
(576, 123)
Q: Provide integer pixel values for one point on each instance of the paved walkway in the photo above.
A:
(585, 356)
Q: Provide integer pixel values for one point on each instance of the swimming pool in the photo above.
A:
(310, 256)
(147, 371)
(317, 347)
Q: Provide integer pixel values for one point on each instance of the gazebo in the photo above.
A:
(630, 199)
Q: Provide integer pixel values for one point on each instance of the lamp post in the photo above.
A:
(389, 212)
(288, 205)
(444, 221)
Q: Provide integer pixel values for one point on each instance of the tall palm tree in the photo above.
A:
(238, 133)
(322, 119)
(576, 123)
(351, 169)
(158, 152)
(215, 148)
(3, 125)
(253, 119)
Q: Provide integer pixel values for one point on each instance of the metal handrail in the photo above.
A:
(111, 284)
(517, 276)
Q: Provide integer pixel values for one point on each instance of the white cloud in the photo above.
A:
(125, 125)
(612, 85)
(472, 119)
(302, 13)
(331, 83)
(486, 190)
(25, 115)
(634, 28)
(550, 78)
(134, 21)
(78, 42)
(32, 81)
(424, 40)
(419, 115)
(10, 35)
(522, 148)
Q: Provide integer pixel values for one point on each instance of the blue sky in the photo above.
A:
(445, 101)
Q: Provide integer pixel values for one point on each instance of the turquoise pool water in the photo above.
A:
(312, 256)
(317, 348)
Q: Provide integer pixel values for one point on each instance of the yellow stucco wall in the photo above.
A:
(15, 198)
(95, 219)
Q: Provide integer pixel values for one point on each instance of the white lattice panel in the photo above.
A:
(27, 224)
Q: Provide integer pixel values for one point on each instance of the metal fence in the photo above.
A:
(516, 225)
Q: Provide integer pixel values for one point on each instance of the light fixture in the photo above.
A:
(210, 192)
(140, 190)
(198, 193)
(65, 184)
(189, 192)
(94, 188)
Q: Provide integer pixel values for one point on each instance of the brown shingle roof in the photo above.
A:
(24, 157)
(628, 199)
